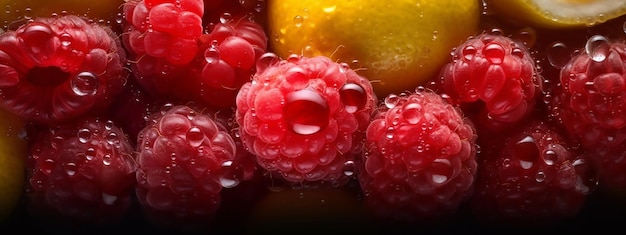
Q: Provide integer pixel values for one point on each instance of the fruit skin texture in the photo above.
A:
(187, 64)
(493, 79)
(589, 105)
(398, 45)
(183, 158)
(13, 150)
(532, 177)
(57, 69)
(419, 160)
(304, 118)
(80, 173)
(569, 14)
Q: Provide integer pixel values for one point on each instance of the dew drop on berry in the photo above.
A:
(348, 168)
(558, 54)
(540, 176)
(266, 60)
(440, 171)
(306, 112)
(468, 52)
(412, 113)
(229, 179)
(353, 97)
(66, 39)
(90, 153)
(85, 83)
(195, 136)
(211, 55)
(597, 47)
(494, 53)
(70, 168)
(112, 138)
(84, 135)
(106, 159)
(225, 18)
(550, 157)
(391, 101)
(526, 151)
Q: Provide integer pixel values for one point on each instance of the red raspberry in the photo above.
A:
(533, 177)
(304, 118)
(494, 80)
(81, 171)
(419, 159)
(590, 104)
(56, 69)
(208, 68)
(184, 162)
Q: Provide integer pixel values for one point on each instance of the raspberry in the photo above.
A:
(208, 68)
(56, 69)
(304, 118)
(589, 104)
(494, 80)
(419, 159)
(533, 177)
(81, 171)
(184, 162)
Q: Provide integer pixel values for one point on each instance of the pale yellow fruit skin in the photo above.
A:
(13, 150)
(399, 45)
(525, 12)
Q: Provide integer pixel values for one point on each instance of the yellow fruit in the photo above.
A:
(18, 10)
(558, 13)
(13, 151)
(398, 45)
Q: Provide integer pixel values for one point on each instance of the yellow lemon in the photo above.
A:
(558, 13)
(20, 10)
(398, 45)
(13, 150)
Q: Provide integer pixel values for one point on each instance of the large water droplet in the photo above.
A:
(353, 97)
(494, 53)
(85, 83)
(195, 136)
(84, 135)
(526, 151)
(306, 112)
(265, 61)
(597, 47)
(298, 20)
(558, 54)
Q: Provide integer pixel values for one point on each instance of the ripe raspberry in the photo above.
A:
(81, 171)
(533, 177)
(590, 104)
(494, 80)
(208, 68)
(304, 118)
(56, 69)
(184, 159)
(419, 159)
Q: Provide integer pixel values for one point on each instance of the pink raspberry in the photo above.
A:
(200, 67)
(185, 159)
(494, 80)
(304, 118)
(590, 105)
(81, 171)
(419, 160)
(56, 69)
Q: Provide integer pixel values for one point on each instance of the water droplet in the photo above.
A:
(265, 61)
(550, 157)
(108, 199)
(349, 168)
(106, 159)
(412, 113)
(70, 168)
(540, 176)
(306, 112)
(597, 47)
(353, 97)
(84, 135)
(195, 136)
(112, 138)
(526, 151)
(225, 18)
(90, 153)
(298, 20)
(212, 55)
(85, 83)
(391, 101)
(558, 54)
(66, 39)
(494, 53)
(229, 179)
(469, 52)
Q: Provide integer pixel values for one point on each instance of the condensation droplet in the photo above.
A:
(84, 135)
(540, 176)
(558, 54)
(597, 47)
(212, 55)
(298, 20)
(85, 83)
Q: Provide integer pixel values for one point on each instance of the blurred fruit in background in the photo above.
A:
(398, 45)
(12, 163)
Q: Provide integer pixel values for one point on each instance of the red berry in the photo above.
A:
(533, 177)
(494, 80)
(304, 118)
(207, 68)
(419, 159)
(184, 159)
(81, 171)
(590, 104)
(56, 69)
